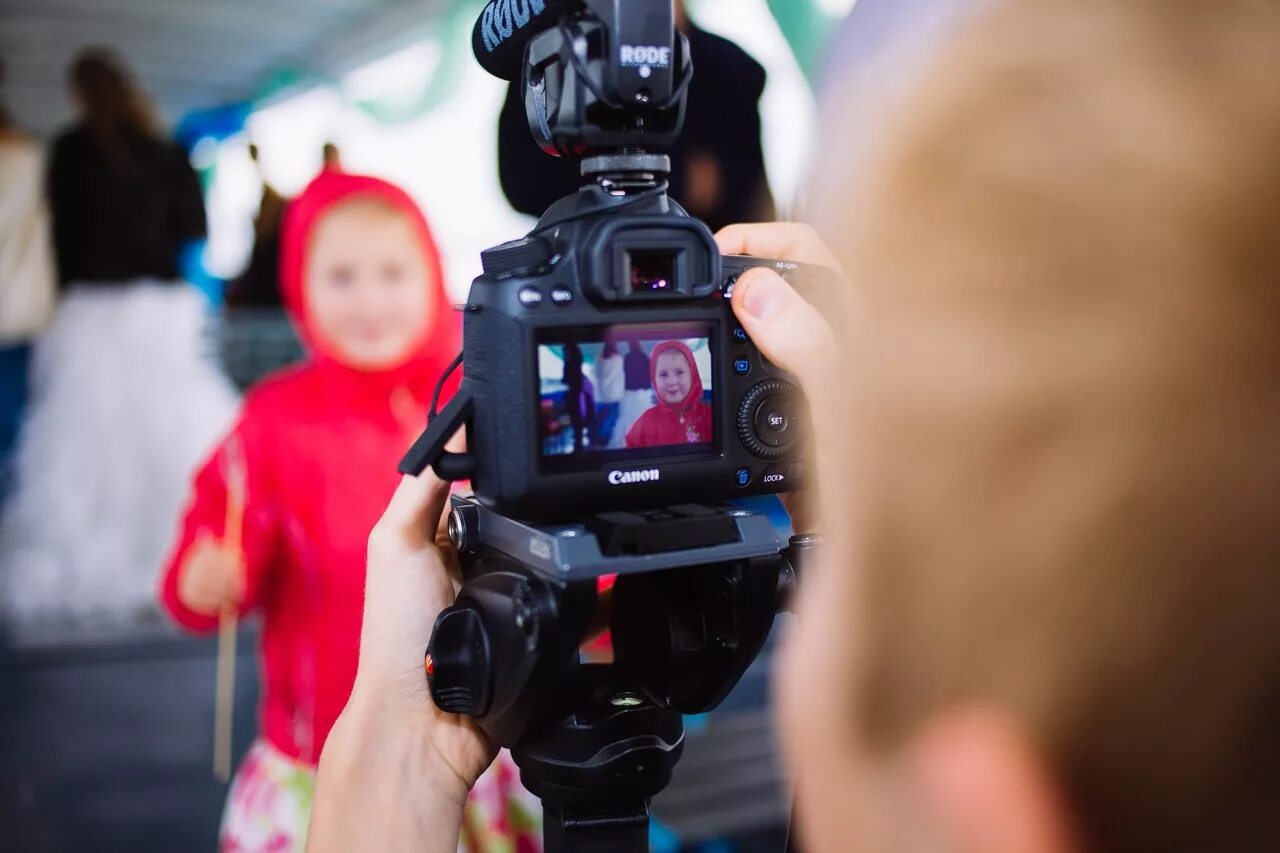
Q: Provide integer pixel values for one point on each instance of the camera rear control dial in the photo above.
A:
(518, 257)
(768, 419)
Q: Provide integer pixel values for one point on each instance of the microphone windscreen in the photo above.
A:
(505, 27)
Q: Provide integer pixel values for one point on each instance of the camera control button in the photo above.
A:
(743, 477)
(773, 422)
(740, 334)
(742, 366)
(561, 295)
(770, 419)
(530, 297)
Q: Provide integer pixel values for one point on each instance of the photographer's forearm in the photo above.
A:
(375, 795)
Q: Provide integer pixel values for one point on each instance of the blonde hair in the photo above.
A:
(1066, 406)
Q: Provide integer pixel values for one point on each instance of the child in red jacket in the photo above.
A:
(681, 415)
(312, 459)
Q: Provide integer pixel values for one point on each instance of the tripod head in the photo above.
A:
(697, 591)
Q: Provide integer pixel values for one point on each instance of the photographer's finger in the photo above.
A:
(458, 443)
(413, 514)
(782, 241)
(789, 331)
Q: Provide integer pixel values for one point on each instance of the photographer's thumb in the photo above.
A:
(787, 329)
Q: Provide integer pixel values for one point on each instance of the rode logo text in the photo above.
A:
(501, 18)
(645, 54)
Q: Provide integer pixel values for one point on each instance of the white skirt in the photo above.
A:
(125, 402)
(634, 404)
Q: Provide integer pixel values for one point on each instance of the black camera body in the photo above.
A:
(575, 307)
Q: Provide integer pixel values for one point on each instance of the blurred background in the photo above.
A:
(106, 710)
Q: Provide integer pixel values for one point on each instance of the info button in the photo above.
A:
(773, 422)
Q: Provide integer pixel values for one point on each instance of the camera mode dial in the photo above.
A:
(518, 257)
(768, 419)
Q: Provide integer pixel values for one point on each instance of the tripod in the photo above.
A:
(596, 771)
(597, 741)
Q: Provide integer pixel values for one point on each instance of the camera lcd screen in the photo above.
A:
(626, 392)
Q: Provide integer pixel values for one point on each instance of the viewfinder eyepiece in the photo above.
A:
(652, 271)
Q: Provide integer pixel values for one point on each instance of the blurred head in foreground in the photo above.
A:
(1047, 618)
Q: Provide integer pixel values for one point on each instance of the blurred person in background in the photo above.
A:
(579, 397)
(124, 398)
(1044, 620)
(611, 377)
(26, 273)
(125, 200)
(331, 158)
(638, 393)
(305, 471)
(717, 164)
(259, 284)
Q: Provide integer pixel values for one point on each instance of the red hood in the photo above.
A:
(438, 344)
(695, 387)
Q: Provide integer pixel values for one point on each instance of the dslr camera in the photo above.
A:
(604, 368)
(613, 409)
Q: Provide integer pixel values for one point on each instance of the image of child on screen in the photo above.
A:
(680, 416)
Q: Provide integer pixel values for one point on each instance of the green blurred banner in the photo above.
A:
(808, 27)
(452, 34)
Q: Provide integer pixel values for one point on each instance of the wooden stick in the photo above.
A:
(228, 621)
(224, 710)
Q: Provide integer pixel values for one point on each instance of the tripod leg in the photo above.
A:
(621, 828)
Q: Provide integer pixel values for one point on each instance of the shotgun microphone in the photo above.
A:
(505, 27)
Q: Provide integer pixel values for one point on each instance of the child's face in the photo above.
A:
(367, 285)
(674, 377)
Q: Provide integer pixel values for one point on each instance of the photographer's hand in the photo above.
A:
(782, 241)
(787, 329)
(396, 770)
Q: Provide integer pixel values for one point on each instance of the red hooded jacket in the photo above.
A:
(320, 442)
(686, 422)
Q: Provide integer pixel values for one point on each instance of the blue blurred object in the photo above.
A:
(694, 723)
(661, 838)
(217, 123)
(717, 846)
(191, 267)
(14, 363)
(770, 506)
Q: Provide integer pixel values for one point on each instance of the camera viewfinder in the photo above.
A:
(652, 271)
